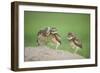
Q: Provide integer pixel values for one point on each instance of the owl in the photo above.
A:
(74, 41)
(55, 37)
(43, 35)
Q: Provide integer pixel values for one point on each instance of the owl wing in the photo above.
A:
(58, 38)
(78, 42)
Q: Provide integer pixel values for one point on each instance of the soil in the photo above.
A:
(43, 53)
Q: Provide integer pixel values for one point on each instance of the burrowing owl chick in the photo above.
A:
(74, 41)
(55, 37)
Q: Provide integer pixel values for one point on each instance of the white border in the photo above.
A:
(23, 64)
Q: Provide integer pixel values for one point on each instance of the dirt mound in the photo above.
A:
(45, 53)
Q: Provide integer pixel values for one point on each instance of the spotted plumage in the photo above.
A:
(74, 41)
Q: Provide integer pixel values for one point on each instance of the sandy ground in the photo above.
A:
(45, 53)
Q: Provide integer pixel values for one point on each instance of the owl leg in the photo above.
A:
(76, 50)
(57, 45)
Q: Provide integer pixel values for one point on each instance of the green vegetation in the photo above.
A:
(64, 22)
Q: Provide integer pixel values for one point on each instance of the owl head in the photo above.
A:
(53, 30)
(71, 35)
